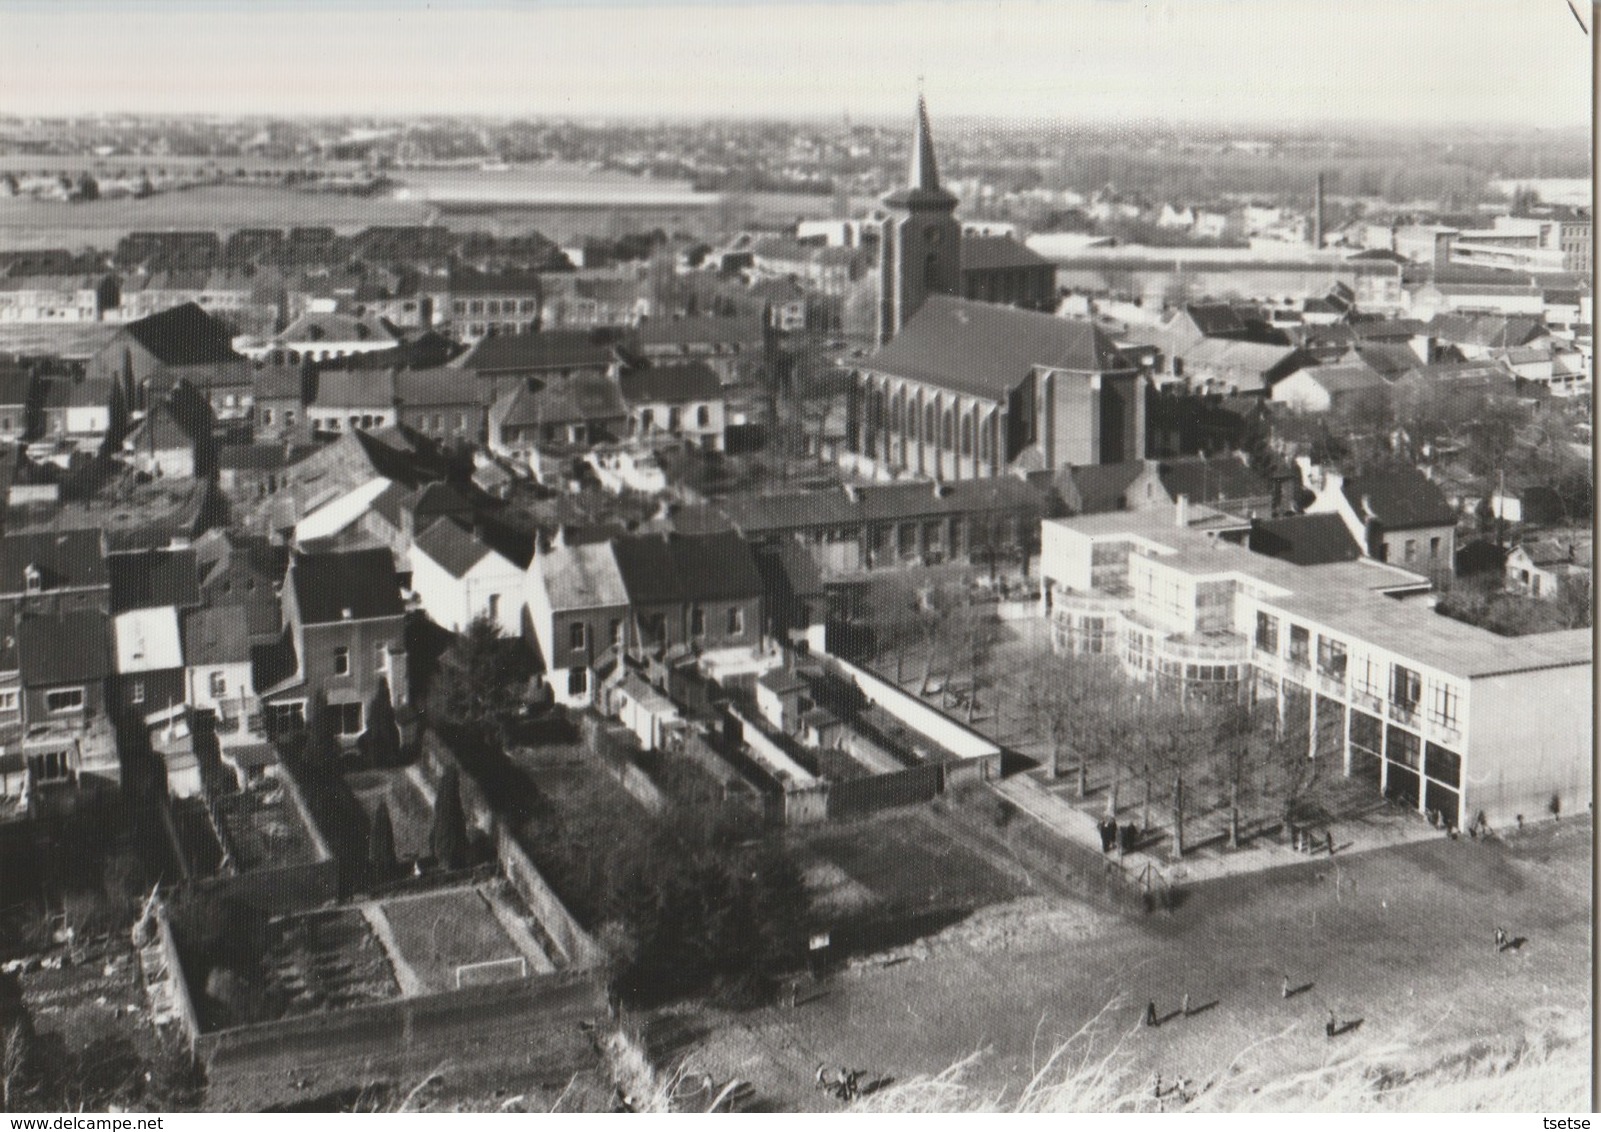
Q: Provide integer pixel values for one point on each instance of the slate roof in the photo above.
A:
(1102, 487)
(218, 635)
(362, 581)
(355, 389)
(685, 568)
(277, 383)
(1306, 540)
(15, 386)
(470, 281)
(989, 253)
(63, 559)
(700, 330)
(147, 578)
(800, 510)
(583, 577)
(987, 350)
(1212, 480)
(184, 336)
(556, 400)
(334, 326)
(1486, 330)
(453, 547)
(1400, 500)
(1337, 379)
(673, 384)
(1389, 359)
(64, 648)
(537, 350)
(438, 386)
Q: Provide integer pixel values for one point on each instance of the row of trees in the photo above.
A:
(1249, 761)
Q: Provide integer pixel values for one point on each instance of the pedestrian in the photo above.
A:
(1500, 939)
(1150, 1013)
(1331, 1025)
(1185, 1007)
(1284, 988)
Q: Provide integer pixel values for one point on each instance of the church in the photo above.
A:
(962, 389)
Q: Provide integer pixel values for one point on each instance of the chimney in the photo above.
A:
(1317, 214)
(1181, 511)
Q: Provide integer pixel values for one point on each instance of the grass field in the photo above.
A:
(439, 931)
(27, 223)
(1398, 939)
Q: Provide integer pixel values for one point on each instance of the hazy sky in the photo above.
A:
(1494, 61)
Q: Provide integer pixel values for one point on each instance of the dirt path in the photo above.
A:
(1401, 939)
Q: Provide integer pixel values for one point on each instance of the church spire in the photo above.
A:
(924, 172)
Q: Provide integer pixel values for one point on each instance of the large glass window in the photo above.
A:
(1444, 700)
(1406, 687)
(1300, 645)
(1267, 632)
(1331, 658)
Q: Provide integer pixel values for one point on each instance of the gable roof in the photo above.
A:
(440, 385)
(183, 336)
(1399, 499)
(986, 350)
(456, 549)
(63, 558)
(218, 635)
(677, 568)
(63, 648)
(674, 384)
(328, 583)
(1338, 379)
(537, 350)
(582, 577)
(1103, 487)
(1305, 540)
(148, 640)
(1389, 359)
(558, 400)
(700, 329)
(355, 389)
(1212, 480)
(146, 578)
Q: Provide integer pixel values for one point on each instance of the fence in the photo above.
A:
(955, 737)
(618, 759)
(539, 1017)
(577, 946)
(857, 797)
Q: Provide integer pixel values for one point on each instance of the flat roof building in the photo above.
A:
(1435, 713)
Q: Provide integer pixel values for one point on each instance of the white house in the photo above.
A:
(218, 674)
(458, 577)
(683, 401)
(578, 606)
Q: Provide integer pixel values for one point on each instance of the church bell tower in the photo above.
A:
(920, 240)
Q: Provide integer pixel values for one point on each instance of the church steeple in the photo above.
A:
(919, 238)
(924, 172)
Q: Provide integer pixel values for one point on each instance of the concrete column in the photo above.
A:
(1345, 748)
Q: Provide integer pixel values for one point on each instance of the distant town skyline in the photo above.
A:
(1227, 62)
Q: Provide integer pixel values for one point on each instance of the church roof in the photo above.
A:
(985, 350)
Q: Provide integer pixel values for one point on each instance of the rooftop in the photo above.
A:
(148, 640)
(1347, 598)
(987, 350)
(583, 577)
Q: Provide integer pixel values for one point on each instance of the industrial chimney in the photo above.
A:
(1317, 214)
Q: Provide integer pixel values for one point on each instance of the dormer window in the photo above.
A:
(33, 579)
